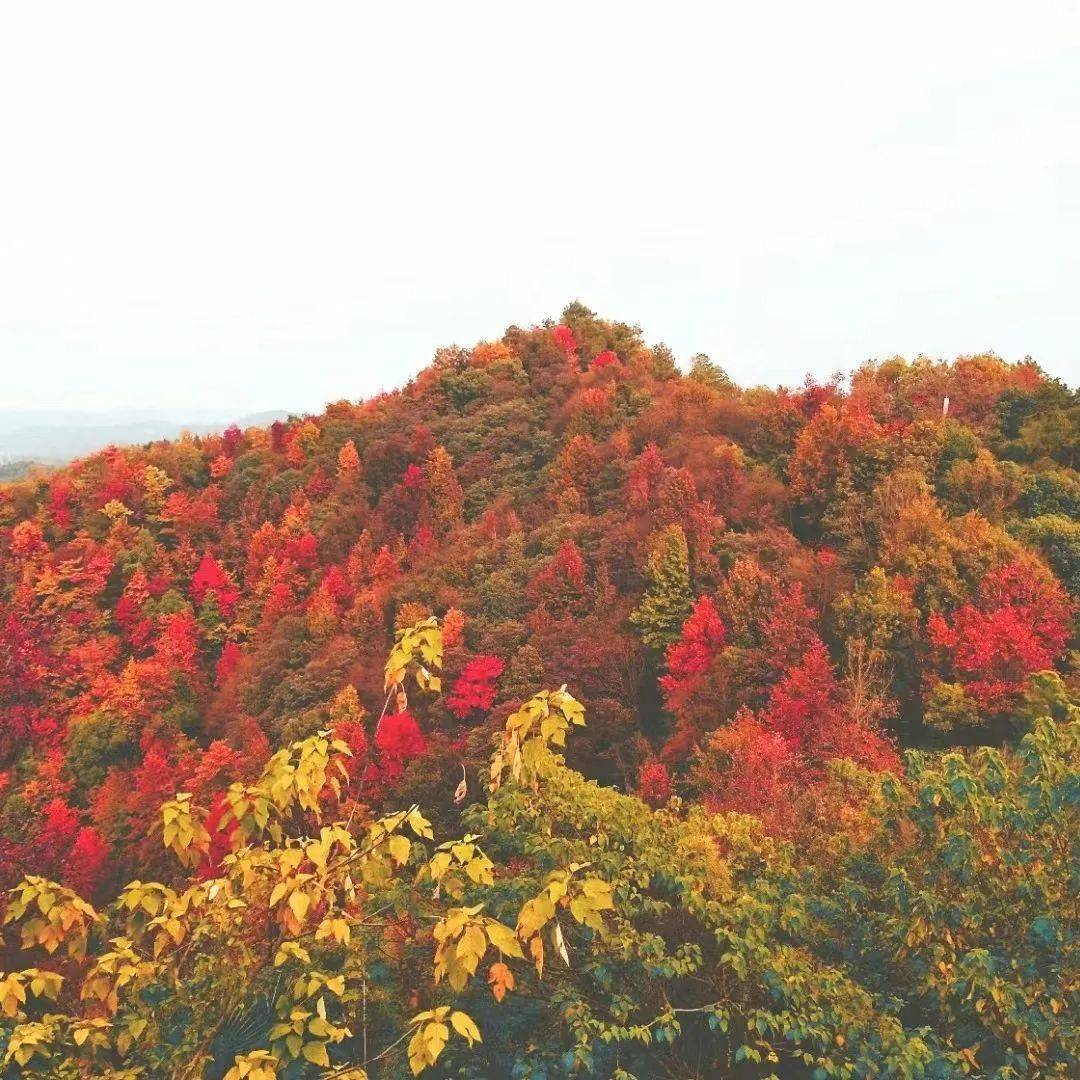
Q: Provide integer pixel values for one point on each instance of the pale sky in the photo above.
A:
(268, 205)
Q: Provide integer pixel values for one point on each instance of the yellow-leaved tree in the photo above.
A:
(266, 958)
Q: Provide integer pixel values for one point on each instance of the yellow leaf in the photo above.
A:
(436, 1036)
(473, 943)
(316, 1054)
(503, 938)
(595, 888)
(400, 846)
(299, 902)
(465, 1027)
(418, 1056)
(319, 1027)
(534, 915)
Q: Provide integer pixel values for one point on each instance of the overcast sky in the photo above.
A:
(276, 205)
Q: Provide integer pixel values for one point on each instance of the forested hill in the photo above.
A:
(812, 645)
(739, 584)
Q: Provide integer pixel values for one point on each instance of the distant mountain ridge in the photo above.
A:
(55, 436)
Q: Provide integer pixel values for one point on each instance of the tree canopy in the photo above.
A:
(558, 714)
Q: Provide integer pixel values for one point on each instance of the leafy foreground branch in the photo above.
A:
(924, 926)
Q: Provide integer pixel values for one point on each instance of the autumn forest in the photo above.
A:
(566, 712)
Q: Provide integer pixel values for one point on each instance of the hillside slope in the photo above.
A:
(739, 585)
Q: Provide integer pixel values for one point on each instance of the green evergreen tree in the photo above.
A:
(668, 599)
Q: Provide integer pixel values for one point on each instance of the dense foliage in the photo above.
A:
(822, 819)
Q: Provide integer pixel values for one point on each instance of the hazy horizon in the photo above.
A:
(55, 436)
